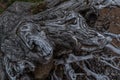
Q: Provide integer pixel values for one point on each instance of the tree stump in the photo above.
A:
(65, 40)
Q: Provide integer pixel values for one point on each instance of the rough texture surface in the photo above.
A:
(72, 37)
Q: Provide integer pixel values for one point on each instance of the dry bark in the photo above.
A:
(60, 39)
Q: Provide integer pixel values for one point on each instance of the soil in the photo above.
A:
(110, 17)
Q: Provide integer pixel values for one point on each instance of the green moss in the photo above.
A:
(9, 2)
(1, 10)
(38, 7)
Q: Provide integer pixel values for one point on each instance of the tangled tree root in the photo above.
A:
(63, 35)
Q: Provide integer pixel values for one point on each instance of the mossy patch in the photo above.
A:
(9, 2)
(38, 7)
(1, 10)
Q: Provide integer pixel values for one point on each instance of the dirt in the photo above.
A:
(110, 17)
(42, 71)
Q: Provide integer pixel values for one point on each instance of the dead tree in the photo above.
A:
(59, 35)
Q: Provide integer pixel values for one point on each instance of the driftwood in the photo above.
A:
(62, 36)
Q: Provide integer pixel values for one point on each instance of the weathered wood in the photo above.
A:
(58, 39)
